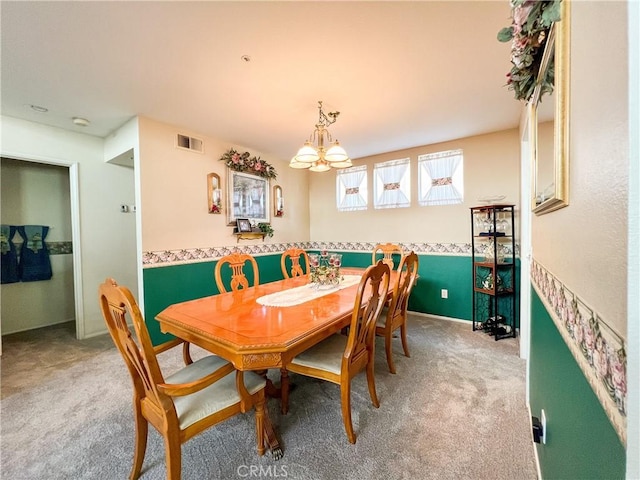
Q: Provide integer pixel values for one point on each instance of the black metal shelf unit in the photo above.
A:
(494, 270)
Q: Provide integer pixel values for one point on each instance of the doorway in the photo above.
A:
(45, 194)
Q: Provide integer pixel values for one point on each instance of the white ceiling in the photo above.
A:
(402, 74)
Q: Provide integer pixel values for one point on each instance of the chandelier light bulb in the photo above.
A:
(307, 153)
(296, 164)
(336, 153)
(320, 166)
(344, 164)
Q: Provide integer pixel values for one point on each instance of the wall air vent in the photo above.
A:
(190, 143)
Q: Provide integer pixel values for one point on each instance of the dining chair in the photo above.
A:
(394, 315)
(387, 250)
(181, 405)
(339, 358)
(236, 262)
(292, 256)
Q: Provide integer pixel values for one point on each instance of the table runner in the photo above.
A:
(305, 293)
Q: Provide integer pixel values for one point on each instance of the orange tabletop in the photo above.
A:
(256, 337)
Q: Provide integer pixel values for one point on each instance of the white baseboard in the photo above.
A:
(439, 317)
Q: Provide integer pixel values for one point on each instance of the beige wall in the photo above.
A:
(36, 194)
(101, 189)
(585, 244)
(173, 192)
(491, 167)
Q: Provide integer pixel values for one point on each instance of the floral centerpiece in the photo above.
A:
(324, 269)
(244, 162)
(529, 30)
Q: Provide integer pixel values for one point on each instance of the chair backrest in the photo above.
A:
(407, 275)
(293, 256)
(370, 298)
(116, 303)
(236, 262)
(388, 250)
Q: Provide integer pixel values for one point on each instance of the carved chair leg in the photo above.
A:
(142, 429)
(387, 349)
(345, 399)
(403, 336)
(371, 382)
(284, 389)
(174, 456)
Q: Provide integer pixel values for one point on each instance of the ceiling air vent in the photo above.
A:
(190, 143)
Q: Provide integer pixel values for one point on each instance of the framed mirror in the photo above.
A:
(278, 201)
(550, 124)
(214, 193)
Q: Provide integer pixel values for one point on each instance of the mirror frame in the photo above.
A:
(558, 46)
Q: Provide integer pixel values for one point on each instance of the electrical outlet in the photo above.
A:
(444, 293)
(543, 421)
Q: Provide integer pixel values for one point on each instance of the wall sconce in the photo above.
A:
(214, 193)
(278, 201)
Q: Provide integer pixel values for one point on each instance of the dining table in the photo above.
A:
(266, 326)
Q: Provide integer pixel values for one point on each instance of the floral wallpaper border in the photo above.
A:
(164, 258)
(598, 349)
(59, 248)
(55, 248)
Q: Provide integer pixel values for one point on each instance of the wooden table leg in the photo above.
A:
(270, 434)
(270, 389)
(272, 440)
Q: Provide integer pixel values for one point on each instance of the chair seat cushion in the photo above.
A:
(216, 397)
(326, 355)
(382, 319)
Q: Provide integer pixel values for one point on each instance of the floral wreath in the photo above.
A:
(244, 162)
(531, 22)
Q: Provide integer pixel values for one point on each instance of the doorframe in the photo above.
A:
(526, 154)
(74, 195)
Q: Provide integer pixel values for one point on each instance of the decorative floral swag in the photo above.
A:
(244, 162)
(529, 30)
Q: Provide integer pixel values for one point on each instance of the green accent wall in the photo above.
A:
(581, 442)
(435, 272)
(164, 286)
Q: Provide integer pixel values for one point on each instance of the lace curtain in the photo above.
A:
(392, 184)
(440, 178)
(351, 188)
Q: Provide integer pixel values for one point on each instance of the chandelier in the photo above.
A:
(315, 157)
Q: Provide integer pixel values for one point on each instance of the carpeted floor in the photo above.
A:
(455, 410)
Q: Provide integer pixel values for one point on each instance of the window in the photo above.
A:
(351, 188)
(391, 184)
(440, 178)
